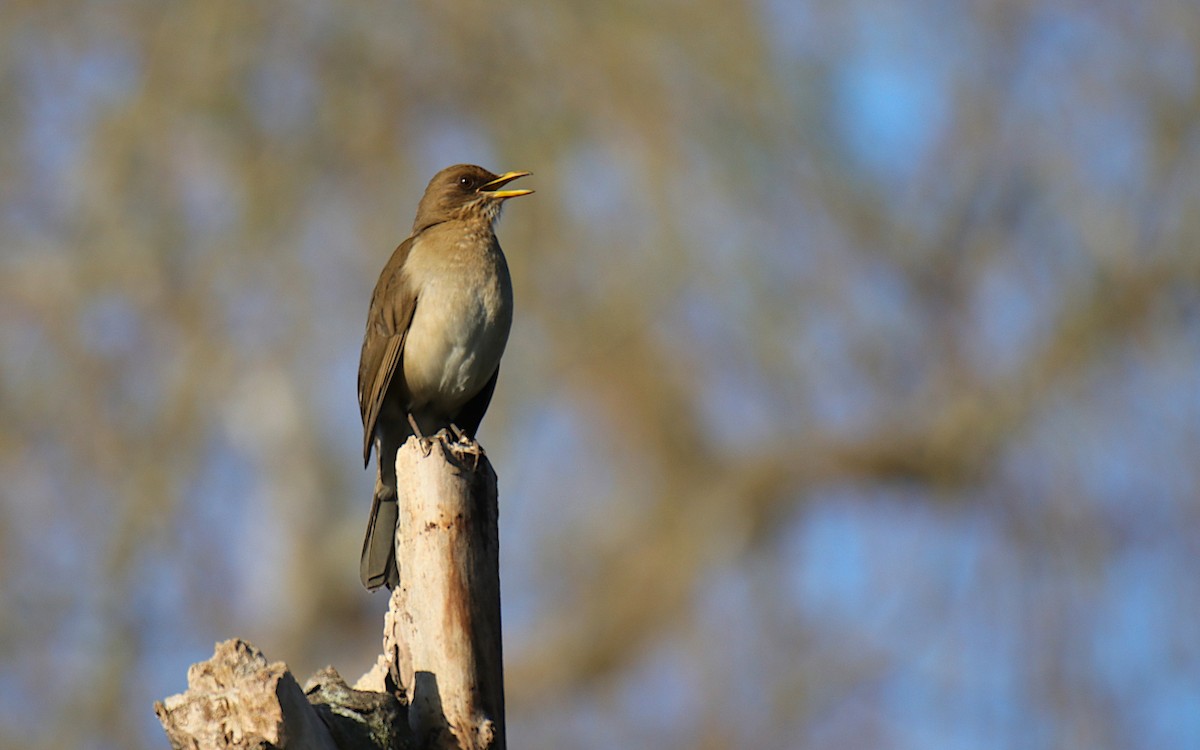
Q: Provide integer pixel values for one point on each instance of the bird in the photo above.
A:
(437, 326)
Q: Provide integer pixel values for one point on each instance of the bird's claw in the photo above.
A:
(467, 444)
(426, 444)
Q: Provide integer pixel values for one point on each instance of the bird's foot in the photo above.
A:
(467, 444)
(425, 443)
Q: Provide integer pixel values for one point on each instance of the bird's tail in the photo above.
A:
(378, 564)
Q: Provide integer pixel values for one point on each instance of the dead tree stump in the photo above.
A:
(439, 684)
(443, 635)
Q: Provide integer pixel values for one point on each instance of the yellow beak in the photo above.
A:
(490, 188)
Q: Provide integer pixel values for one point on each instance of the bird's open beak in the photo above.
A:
(491, 191)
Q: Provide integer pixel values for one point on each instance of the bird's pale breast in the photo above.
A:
(461, 321)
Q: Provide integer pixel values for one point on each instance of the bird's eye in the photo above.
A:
(464, 181)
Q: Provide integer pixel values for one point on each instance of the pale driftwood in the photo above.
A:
(442, 632)
(440, 681)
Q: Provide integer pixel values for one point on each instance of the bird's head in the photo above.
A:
(465, 191)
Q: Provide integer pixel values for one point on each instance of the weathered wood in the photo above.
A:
(442, 634)
(237, 700)
(359, 719)
(440, 682)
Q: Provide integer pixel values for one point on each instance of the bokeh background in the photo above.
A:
(853, 399)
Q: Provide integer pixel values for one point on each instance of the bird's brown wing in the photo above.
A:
(388, 318)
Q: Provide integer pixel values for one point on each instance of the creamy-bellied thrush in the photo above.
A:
(436, 328)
